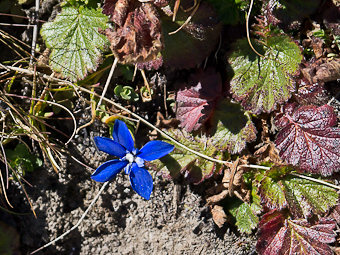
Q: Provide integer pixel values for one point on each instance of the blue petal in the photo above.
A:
(141, 181)
(154, 150)
(121, 134)
(108, 170)
(109, 146)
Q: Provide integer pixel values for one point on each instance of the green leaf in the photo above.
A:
(261, 83)
(234, 127)
(231, 130)
(245, 216)
(126, 92)
(246, 219)
(303, 197)
(75, 42)
(22, 159)
(306, 197)
(195, 168)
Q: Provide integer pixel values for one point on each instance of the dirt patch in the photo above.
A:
(174, 221)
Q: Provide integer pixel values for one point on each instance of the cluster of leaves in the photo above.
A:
(217, 112)
(22, 160)
(126, 92)
(139, 34)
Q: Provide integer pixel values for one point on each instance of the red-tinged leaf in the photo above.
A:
(270, 232)
(304, 198)
(137, 35)
(308, 138)
(196, 102)
(194, 168)
(336, 214)
(234, 127)
(260, 84)
(118, 9)
(281, 235)
(311, 93)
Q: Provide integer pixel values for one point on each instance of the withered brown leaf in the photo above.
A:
(218, 215)
(137, 35)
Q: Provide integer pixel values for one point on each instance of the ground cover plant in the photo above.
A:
(240, 97)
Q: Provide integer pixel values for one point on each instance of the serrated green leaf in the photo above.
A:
(195, 168)
(261, 83)
(273, 194)
(234, 127)
(246, 218)
(256, 200)
(306, 197)
(232, 130)
(75, 41)
(302, 197)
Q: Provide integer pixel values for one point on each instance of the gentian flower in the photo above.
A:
(130, 158)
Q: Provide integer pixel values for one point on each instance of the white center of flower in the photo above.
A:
(130, 157)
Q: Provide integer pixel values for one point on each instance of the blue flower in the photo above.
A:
(130, 158)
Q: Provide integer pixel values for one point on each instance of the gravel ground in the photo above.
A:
(174, 221)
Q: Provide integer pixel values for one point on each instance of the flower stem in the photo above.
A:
(157, 129)
(316, 180)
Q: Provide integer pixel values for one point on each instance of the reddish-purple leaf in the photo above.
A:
(280, 235)
(336, 214)
(311, 93)
(196, 102)
(308, 138)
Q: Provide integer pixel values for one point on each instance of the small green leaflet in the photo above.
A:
(260, 84)
(75, 41)
(22, 160)
(278, 190)
(245, 215)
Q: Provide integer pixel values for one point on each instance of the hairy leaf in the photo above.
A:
(303, 197)
(308, 138)
(260, 84)
(336, 214)
(232, 130)
(234, 127)
(194, 168)
(196, 101)
(309, 93)
(75, 42)
(137, 36)
(281, 235)
(245, 215)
